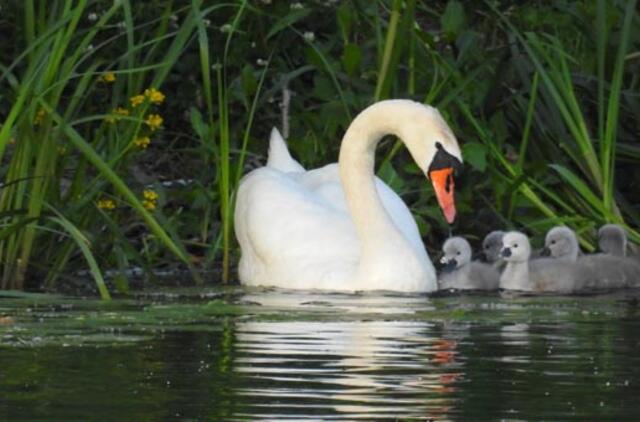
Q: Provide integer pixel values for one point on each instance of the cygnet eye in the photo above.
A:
(553, 242)
(515, 245)
(458, 253)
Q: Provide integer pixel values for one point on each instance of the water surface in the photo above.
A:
(234, 354)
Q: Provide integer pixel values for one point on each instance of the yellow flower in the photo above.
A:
(136, 100)
(150, 205)
(154, 95)
(106, 204)
(40, 114)
(142, 142)
(150, 195)
(154, 121)
(108, 77)
(119, 111)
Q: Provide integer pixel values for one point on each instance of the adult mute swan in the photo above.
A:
(339, 227)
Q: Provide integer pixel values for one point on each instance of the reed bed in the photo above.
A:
(127, 126)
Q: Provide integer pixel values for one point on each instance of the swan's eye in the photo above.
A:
(515, 245)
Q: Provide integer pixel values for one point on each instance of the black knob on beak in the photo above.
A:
(505, 253)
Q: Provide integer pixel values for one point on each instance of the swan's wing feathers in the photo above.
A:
(279, 157)
(287, 225)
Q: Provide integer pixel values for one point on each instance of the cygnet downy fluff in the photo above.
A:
(462, 273)
(491, 247)
(612, 240)
(540, 275)
(584, 273)
(561, 243)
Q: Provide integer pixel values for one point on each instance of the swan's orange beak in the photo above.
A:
(443, 185)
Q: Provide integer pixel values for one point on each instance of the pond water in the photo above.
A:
(235, 354)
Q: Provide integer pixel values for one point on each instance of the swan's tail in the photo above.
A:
(279, 157)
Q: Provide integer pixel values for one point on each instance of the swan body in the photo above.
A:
(539, 275)
(569, 273)
(465, 274)
(339, 227)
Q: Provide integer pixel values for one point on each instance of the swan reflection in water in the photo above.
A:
(350, 367)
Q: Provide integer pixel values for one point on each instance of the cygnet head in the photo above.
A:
(492, 245)
(457, 253)
(515, 247)
(561, 243)
(612, 240)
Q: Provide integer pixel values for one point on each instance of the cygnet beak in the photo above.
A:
(545, 251)
(505, 252)
(448, 264)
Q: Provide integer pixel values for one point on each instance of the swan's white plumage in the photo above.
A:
(279, 157)
(310, 240)
(297, 229)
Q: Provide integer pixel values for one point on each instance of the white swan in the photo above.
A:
(339, 227)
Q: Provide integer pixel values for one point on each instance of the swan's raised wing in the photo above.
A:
(290, 234)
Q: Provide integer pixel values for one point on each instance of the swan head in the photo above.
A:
(515, 247)
(457, 253)
(434, 148)
(612, 240)
(491, 246)
(561, 242)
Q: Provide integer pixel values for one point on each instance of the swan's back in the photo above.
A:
(553, 275)
(289, 235)
(484, 276)
(602, 271)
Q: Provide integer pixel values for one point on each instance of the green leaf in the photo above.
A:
(287, 21)
(475, 154)
(579, 186)
(452, 19)
(351, 58)
(83, 244)
(249, 82)
(389, 175)
(345, 17)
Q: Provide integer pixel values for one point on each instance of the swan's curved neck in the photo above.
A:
(380, 239)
